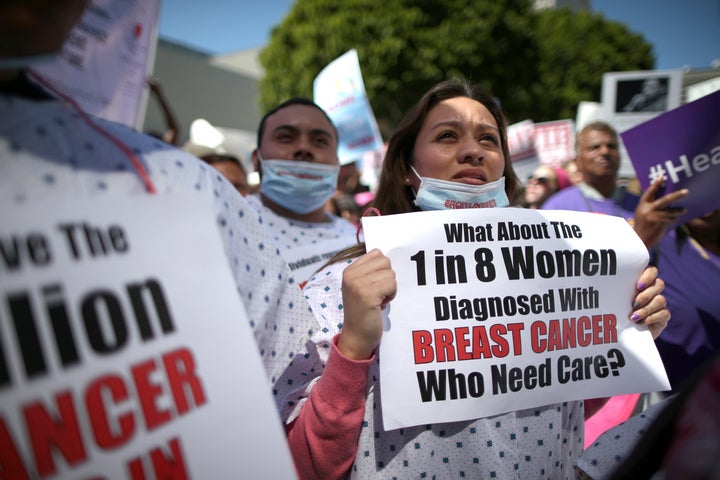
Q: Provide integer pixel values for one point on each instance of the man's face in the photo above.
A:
(599, 156)
(35, 27)
(299, 132)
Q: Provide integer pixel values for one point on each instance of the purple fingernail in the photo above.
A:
(635, 317)
(641, 285)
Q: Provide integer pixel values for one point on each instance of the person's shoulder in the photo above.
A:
(563, 199)
(253, 199)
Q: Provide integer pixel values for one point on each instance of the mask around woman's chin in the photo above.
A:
(435, 194)
(301, 187)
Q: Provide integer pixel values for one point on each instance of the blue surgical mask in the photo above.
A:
(301, 187)
(435, 194)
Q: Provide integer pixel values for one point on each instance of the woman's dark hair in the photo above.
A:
(393, 195)
(289, 103)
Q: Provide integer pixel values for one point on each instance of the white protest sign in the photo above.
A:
(340, 91)
(125, 351)
(106, 58)
(521, 140)
(555, 141)
(505, 308)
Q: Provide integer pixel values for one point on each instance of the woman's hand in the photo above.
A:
(654, 214)
(368, 285)
(650, 307)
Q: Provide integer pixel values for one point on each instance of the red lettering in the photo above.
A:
(463, 343)
(554, 335)
(180, 368)
(11, 465)
(569, 337)
(115, 387)
(481, 343)
(596, 328)
(538, 329)
(148, 393)
(497, 335)
(516, 328)
(444, 345)
(136, 470)
(164, 466)
(48, 434)
(573, 332)
(422, 346)
(584, 338)
(169, 467)
(610, 328)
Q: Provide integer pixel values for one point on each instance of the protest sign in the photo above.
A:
(521, 140)
(504, 309)
(554, 141)
(125, 351)
(683, 145)
(104, 62)
(533, 144)
(339, 89)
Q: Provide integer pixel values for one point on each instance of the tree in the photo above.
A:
(539, 65)
(575, 49)
(404, 47)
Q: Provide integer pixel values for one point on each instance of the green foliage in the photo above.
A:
(538, 65)
(575, 50)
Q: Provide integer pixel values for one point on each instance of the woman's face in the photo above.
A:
(540, 186)
(460, 142)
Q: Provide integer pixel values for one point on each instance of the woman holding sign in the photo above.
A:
(450, 151)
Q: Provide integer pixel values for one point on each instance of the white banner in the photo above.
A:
(105, 61)
(339, 89)
(125, 351)
(504, 309)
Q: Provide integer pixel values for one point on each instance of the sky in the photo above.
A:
(684, 33)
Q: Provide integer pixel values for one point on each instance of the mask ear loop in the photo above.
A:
(365, 214)
(136, 163)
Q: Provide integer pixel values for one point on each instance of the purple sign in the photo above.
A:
(683, 145)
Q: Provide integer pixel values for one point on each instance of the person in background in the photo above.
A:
(344, 202)
(51, 150)
(545, 181)
(229, 166)
(598, 160)
(349, 179)
(689, 256)
(344, 205)
(452, 143)
(570, 166)
(297, 159)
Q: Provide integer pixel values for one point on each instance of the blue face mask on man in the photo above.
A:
(436, 194)
(299, 186)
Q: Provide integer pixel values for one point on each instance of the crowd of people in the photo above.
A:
(294, 249)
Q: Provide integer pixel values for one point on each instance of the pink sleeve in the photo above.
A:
(323, 438)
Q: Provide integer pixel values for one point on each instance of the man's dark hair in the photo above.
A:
(288, 103)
